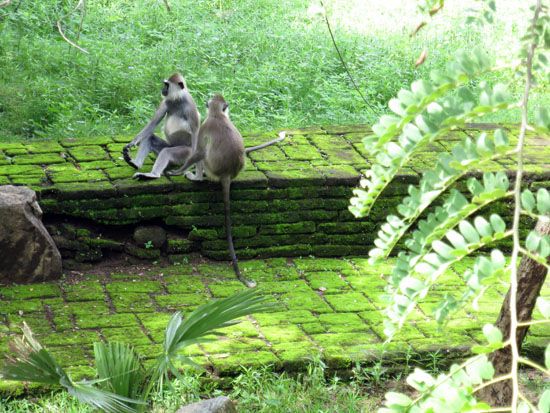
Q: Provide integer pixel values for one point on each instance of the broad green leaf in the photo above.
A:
(492, 334)
(544, 402)
(543, 201)
(544, 307)
(397, 399)
(528, 200)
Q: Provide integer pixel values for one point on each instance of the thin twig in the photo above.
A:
(167, 5)
(517, 209)
(341, 58)
(532, 323)
(59, 28)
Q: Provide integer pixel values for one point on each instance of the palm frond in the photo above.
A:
(204, 320)
(31, 362)
(119, 369)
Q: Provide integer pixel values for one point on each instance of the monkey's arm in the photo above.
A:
(150, 127)
(282, 136)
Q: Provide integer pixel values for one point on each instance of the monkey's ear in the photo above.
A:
(181, 85)
(225, 106)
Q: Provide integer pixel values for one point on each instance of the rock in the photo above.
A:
(27, 251)
(220, 404)
(150, 236)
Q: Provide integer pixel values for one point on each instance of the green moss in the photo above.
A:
(24, 292)
(83, 291)
(225, 364)
(349, 302)
(84, 308)
(134, 287)
(23, 306)
(143, 253)
(69, 338)
(328, 282)
(203, 234)
(175, 302)
(132, 303)
(295, 228)
(39, 159)
(310, 301)
(29, 170)
(132, 335)
(322, 264)
(285, 317)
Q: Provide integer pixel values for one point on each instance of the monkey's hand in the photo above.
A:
(143, 176)
(127, 157)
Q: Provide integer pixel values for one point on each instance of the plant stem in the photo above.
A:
(517, 209)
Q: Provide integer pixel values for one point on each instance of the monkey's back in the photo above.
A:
(225, 149)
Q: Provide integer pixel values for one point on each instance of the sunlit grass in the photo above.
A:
(274, 61)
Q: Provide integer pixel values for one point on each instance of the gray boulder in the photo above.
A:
(220, 404)
(27, 251)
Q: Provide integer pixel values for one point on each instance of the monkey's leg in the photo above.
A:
(167, 156)
(192, 160)
(226, 184)
(151, 144)
(199, 173)
(282, 136)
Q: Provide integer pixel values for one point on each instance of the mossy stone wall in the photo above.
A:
(291, 200)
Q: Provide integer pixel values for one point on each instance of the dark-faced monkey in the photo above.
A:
(181, 129)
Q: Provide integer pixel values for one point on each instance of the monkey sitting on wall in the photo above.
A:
(181, 129)
(221, 149)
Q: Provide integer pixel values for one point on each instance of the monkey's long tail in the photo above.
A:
(226, 185)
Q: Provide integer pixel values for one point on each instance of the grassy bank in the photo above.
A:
(273, 60)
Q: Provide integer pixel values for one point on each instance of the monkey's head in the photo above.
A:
(217, 105)
(174, 87)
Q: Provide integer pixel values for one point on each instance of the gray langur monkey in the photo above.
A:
(181, 129)
(221, 148)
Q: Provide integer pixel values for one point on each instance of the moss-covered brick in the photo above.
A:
(142, 253)
(83, 291)
(203, 234)
(322, 264)
(345, 129)
(44, 146)
(74, 175)
(74, 355)
(178, 245)
(225, 289)
(39, 159)
(4, 180)
(271, 153)
(120, 172)
(69, 338)
(35, 182)
(328, 282)
(84, 308)
(125, 335)
(283, 166)
(134, 287)
(96, 140)
(309, 300)
(283, 333)
(343, 323)
(366, 282)
(291, 177)
(21, 306)
(224, 363)
(13, 170)
(90, 189)
(133, 187)
(111, 320)
(174, 302)
(250, 179)
(270, 287)
(339, 174)
(85, 153)
(6, 146)
(132, 303)
(305, 227)
(328, 142)
(29, 291)
(313, 328)
(352, 302)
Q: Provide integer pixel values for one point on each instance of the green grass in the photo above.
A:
(254, 391)
(273, 60)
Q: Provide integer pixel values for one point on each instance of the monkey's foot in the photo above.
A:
(174, 172)
(143, 176)
(193, 177)
(128, 158)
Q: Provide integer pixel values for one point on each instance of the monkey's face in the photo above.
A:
(218, 105)
(173, 90)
